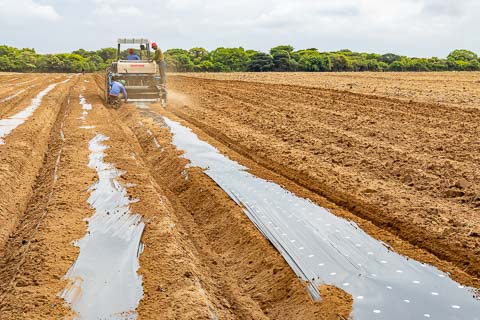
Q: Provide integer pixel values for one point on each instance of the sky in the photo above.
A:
(421, 28)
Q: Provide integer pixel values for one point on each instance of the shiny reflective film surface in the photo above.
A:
(104, 283)
(324, 249)
(9, 124)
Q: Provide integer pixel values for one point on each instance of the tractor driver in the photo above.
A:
(114, 94)
(132, 55)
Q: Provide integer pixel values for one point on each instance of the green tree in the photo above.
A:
(6, 64)
(287, 48)
(312, 60)
(251, 53)
(398, 65)
(95, 59)
(436, 64)
(107, 54)
(261, 61)
(341, 63)
(198, 55)
(373, 65)
(281, 58)
(382, 66)
(389, 58)
(179, 60)
(205, 65)
(472, 65)
(26, 60)
(220, 67)
(230, 59)
(50, 63)
(82, 52)
(417, 64)
(462, 55)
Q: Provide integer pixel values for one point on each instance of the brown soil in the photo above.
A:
(17, 96)
(410, 168)
(190, 269)
(22, 155)
(390, 165)
(250, 275)
(459, 88)
(40, 251)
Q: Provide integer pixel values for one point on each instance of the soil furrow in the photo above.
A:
(22, 156)
(342, 109)
(402, 166)
(177, 282)
(250, 274)
(22, 244)
(459, 89)
(425, 200)
(19, 102)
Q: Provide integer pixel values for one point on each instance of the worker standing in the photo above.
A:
(132, 55)
(114, 94)
(159, 58)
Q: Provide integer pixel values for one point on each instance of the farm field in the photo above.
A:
(394, 155)
(410, 167)
(460, 88)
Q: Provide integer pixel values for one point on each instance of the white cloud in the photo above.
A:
(444, 8)
(28, 9)
(120, 12)
(116, 8)
(412, 27)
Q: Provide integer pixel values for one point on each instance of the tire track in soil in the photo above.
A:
(285, 139)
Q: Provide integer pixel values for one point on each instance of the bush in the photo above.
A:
(280, 58)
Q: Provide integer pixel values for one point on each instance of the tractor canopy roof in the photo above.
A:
(133, 41)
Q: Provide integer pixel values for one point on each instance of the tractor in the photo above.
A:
(142, 77)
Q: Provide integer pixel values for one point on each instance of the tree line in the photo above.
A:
(280, 58)
(27, 60)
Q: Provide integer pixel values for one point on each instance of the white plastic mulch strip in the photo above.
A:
(85, 107)
(17, 84)
(9, 124)
(155, 141)
(104, 283)
(322, 248)
(19, 92)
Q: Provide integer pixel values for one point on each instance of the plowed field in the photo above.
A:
(410, 167)
(459, 88)
(400, 165)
